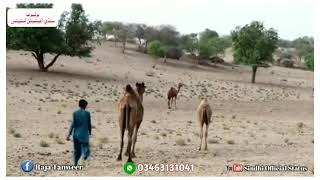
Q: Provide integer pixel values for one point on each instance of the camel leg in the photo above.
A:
(205, 137)
(130, 132)
(171, 102)
(121, 144)
(168, 103)
(201, 134)
(175, 102)
(135, 135)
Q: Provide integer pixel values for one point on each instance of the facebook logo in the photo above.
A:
(26, 165)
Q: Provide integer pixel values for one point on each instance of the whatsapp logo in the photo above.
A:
(129, 168)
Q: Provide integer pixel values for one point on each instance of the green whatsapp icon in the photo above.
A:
(129, 168)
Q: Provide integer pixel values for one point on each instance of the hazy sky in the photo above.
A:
(291, 18)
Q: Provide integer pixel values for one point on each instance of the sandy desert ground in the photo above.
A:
(270, 122)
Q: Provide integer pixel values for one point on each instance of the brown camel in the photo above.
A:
(130, 117)
(140, 90)
(172, 94)
(204, 117)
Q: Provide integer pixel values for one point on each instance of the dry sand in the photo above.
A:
(270, 122)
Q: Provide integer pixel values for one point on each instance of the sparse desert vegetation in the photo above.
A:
(180, 142)
(251, 123)
(230, 142)
(235, 103)
(17, 135)
(44, 144)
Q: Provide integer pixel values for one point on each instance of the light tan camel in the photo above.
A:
(204, 117)
(130, 117)
(172, 94)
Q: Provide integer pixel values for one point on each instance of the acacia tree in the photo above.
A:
(190, 43)
(210, 44)
(151, 34)
(303, 46)
(113, 28)
(69, 38)
(98, 34)
(254, 45)
(125, 32)
(107, 29)
(140, 32)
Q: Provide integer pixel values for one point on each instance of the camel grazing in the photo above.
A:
(130, 117)
(204, 117)
(172, 94)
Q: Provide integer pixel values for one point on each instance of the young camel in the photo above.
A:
(130, 117)
(172, 94)
(204, 117)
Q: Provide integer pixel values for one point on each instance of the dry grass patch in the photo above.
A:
(150, 73)
(51, 135)
(213, 141)
(17, 135)
(12, 131)
(44, 144)
(163, 134)
(104, 140)
(180, 142)
(59, 141)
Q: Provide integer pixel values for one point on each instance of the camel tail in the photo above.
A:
(126, 117)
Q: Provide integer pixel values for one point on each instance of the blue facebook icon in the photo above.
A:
(26, 165)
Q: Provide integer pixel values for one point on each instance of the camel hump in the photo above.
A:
(129, 89)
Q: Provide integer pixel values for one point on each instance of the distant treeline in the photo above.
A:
(252, 44)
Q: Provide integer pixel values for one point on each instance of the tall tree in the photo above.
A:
(125, 32)
(151, 34)
(254, 45)
(97, 31)
(208, 34)
(190, 43)
(140, 33)
(303, 46)
(210, 44)
(168, 35)
(113, 28)
(70, 38)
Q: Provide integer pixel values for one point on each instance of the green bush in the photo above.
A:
(162, 51)
(309, 61)
(156, 49)
(174, 52)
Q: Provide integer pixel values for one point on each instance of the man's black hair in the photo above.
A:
(83, 103)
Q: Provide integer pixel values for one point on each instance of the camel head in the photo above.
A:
(180, 85)
(140, 87)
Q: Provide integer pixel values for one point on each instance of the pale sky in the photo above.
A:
(291, 18)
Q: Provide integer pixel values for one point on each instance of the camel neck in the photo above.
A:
(178, 89)
(141, 97)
